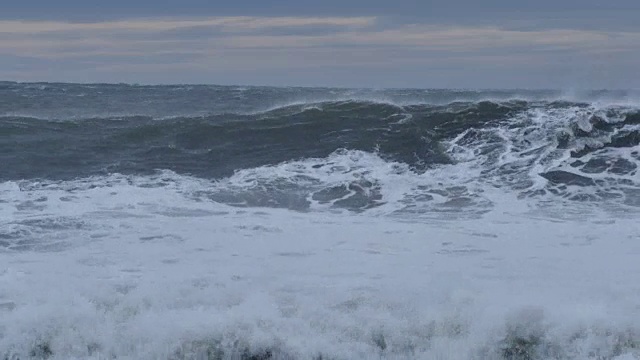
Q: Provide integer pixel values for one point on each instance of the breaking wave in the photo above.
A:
(573, 151)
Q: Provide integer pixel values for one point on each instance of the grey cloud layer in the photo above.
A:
(308, 49)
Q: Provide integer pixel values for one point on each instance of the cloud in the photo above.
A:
(124, 49)
(63, 39)
(431, 37)
(232, 23)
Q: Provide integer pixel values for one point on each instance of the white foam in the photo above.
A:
(156, 274)
(400, 187)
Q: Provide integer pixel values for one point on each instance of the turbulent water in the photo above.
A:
(208, 222)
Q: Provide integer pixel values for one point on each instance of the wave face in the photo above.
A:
(209, 222)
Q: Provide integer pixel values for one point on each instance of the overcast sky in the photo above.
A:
(567, 44)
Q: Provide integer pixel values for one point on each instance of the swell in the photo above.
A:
(215, 146)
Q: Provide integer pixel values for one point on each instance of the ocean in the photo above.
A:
(222, 222)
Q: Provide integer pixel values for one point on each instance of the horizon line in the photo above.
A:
(141, 84)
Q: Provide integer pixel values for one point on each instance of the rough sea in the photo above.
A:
(211, 222)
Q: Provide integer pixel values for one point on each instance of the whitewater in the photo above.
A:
(209, 222)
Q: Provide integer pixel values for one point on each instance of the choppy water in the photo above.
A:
(196, 222)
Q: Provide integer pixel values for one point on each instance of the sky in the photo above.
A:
(561, 44)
